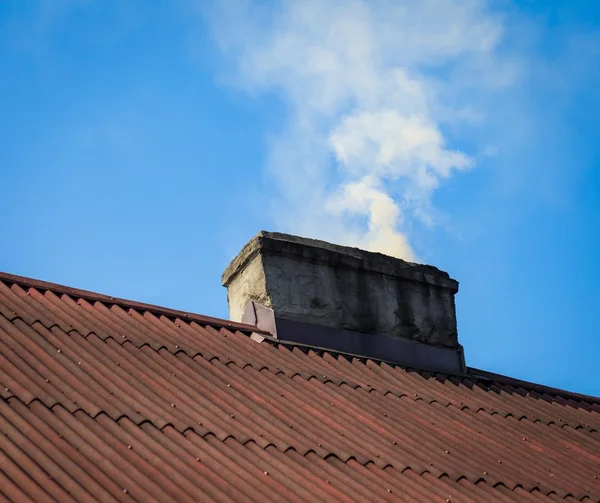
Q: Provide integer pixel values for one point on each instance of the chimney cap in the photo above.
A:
(323, 252)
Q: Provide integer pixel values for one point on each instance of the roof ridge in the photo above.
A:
(528, 385)
(130, 304)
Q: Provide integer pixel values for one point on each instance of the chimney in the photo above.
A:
(314, 293)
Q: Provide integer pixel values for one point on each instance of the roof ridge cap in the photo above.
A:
(541, 388)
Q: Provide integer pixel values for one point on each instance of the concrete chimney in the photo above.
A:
(363, 301)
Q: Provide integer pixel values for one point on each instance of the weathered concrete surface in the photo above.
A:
(342, 287)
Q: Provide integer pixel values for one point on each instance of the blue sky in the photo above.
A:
(141, 144)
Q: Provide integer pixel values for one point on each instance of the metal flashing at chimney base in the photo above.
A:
(403, 352)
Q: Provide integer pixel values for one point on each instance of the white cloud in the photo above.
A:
(371, 88)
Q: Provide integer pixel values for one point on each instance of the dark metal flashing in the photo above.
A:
(403, 352)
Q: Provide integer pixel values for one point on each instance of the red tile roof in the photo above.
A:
(105, 399)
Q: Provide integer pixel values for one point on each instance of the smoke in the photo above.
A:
(377, 93)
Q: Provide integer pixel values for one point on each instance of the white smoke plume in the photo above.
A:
(372, 88)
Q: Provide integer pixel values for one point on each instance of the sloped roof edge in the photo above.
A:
(130, 304)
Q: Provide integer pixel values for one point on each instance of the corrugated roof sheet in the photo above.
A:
(110, 400)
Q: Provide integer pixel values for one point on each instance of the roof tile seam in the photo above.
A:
(31, 321)
(533, 388)
(578, 428)
(208, 357)
(336, 382)
(323, 379)
(286, 449)
(475, 479)
(123, 340)
(326, 379)
(339, 382)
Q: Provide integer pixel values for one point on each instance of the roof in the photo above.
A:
(105, 399)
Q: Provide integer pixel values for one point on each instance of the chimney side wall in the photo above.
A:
(249, 284)
(361, 300)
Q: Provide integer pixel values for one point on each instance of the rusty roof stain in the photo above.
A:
(105, 399)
